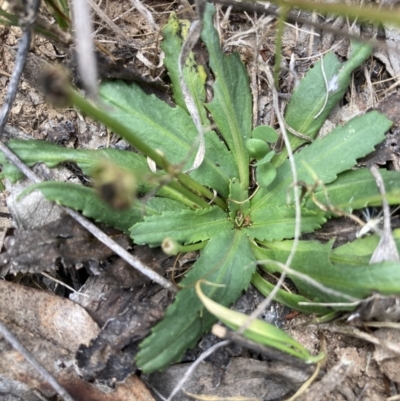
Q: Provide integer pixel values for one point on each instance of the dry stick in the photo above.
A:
(14, 159)
(10, 338)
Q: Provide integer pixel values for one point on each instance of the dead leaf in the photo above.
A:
(37, 250)
(52, 329)
(331, 381)
(378, 307)
(386, 249)
(127, 316)
(244, 377)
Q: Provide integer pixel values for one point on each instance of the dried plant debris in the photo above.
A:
(126, 310)
(41, 249)
(110, 356)
(330, 382)
(47, 327)
(378, 307)
(389, 149)
(244, 377)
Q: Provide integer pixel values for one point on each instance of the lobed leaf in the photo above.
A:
(174, 33)
(359, 252)
(231, 105)
(227, 259)
(171, 130)
(185, 226)
(307, 111)
(313, 259)
(274, 223)
(327, 157)
(35, 151)
(356, 189)
(89, 203)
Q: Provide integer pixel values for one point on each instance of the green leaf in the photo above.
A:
(356, 189)
(231, 105)
(313, 259)
(33, 151)
(266, 159)
(359, 252)
(288, 299)
(309, 97)
(265, 133)
(186, 226)
(265, 174)
(174, 33)
(259, 331)
(327, 157)
(227, 259)
(278, 222)
(257, 148)
(88, 202)
(171, 130)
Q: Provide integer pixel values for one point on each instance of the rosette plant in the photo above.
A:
(229, 200)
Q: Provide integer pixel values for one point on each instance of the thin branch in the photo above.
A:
(10, 338)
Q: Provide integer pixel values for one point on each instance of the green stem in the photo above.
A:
(158, 158)
(193, 247)
(194, 186)
(187, 197)
(279, 41)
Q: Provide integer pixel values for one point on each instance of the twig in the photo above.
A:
(10, 338)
